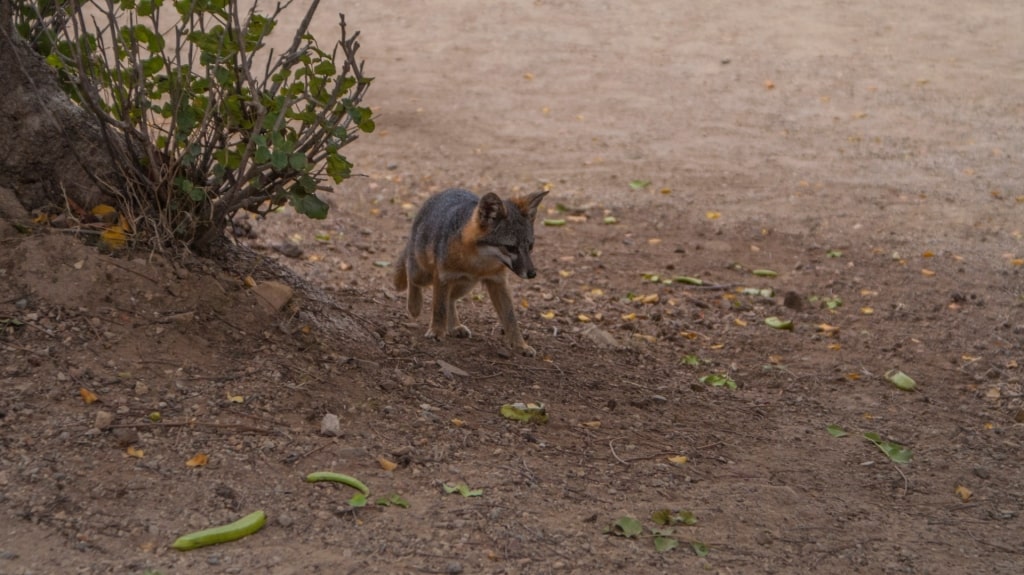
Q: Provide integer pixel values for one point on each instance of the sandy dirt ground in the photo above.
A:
(868, 153)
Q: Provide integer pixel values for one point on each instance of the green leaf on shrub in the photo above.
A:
(152, 65)
(297, 162)
(338, 168)
(309, 205)
(279, 160)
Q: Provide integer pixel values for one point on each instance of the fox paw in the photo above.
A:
(460, 331)
(527, 350)
(434, 334)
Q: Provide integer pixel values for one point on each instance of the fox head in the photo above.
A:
(506, 230)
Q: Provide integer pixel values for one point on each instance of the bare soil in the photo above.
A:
(870, 153)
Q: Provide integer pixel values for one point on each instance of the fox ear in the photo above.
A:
(490, 209)
(528, 204)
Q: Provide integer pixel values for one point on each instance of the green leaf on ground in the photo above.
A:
(393, 499)
(525, 412)
(896, 452)
(358, 500)
(718, 380)
(663, 544)
(666, 517)
(776, 323)
(700, 549)
(639, 184)
(836, 431)
(625, 527)
(900, 380)
(462, 489)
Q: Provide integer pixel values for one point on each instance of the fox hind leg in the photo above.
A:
(441, 310)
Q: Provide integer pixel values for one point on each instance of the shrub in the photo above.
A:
(201, 118)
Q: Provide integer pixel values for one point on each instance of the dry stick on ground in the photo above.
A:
(308, 453)
(114, 263)
(234, 426)
(611, 446)
(906, 482)
(15, 298)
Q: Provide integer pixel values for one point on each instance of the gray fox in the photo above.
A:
(458, 240)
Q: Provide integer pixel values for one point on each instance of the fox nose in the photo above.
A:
(530, 274)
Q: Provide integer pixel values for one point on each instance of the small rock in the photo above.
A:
(450, 370)
(453, 568)
(600, 338)
(103, 419)
(225, 492)
(126, 436)
(285, 521)
(273, 295)
(793, 301)
(141, 388)
(289, 250)
(330, 425)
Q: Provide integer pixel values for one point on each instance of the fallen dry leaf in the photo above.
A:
(88, 396)
(386, 464)
(198, 460)
(648, 299)
(829, 330)
(135, 452)
(964, 493)
(678, 459)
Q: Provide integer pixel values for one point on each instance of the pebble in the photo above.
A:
(103, 420)
(330, 425)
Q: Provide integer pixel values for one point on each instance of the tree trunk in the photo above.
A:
(51, 150)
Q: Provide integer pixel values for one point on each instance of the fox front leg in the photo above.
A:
(502, 300)
(455, 327)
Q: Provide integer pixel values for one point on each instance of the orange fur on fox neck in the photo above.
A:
(466, 254)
